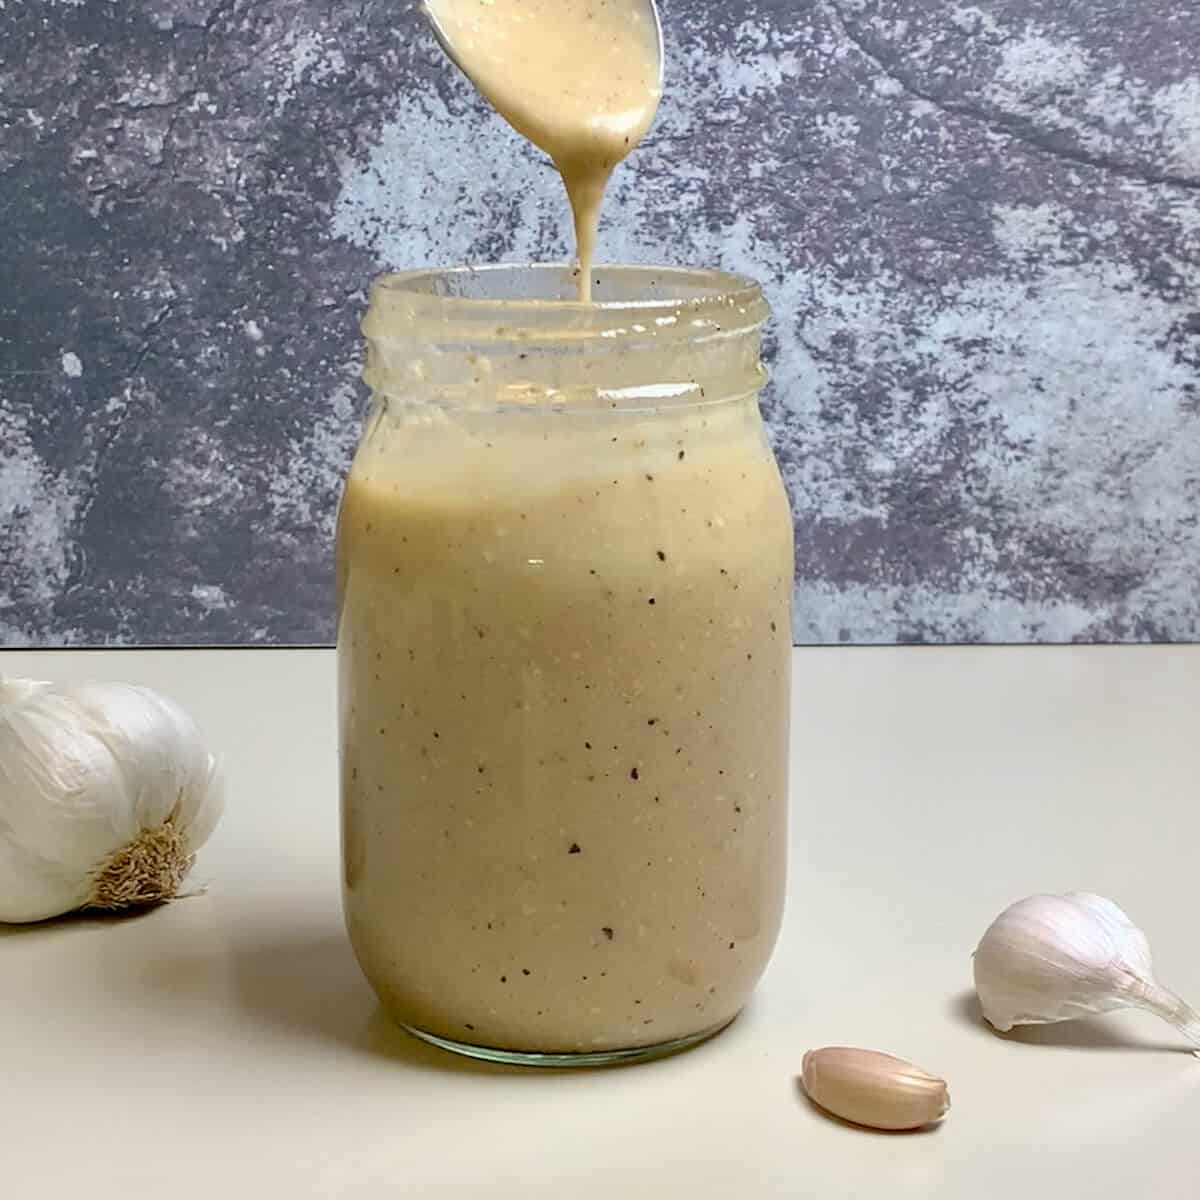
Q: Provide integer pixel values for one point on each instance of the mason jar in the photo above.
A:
(564, 579)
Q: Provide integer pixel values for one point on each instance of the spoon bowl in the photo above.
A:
(648, 7)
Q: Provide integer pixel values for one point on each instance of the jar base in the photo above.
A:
(595, 1058)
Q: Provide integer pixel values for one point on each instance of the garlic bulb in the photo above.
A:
(872, 1088)
(1052, 958)
(106, 792)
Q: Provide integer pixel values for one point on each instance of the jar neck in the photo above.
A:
(510, 336)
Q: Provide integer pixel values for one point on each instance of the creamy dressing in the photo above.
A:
(578, 78)
(565, 678)
(564, 637)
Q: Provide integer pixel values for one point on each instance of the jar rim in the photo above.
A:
(430, 329)
(474, 292)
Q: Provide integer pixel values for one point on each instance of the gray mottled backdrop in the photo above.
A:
(979, 225)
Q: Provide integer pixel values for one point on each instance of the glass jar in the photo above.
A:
(564, 581)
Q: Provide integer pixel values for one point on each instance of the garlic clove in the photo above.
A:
(106, 792)
(1054, 958)
(874, 1089)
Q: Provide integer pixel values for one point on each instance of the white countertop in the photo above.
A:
(226, 1045)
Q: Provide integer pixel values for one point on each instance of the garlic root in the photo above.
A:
(147, 871)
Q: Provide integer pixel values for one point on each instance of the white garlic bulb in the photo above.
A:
(106, 792)
(1053, 958)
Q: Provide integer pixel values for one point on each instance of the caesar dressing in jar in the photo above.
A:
(564, 578)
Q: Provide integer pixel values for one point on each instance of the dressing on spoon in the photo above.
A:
(581, 79)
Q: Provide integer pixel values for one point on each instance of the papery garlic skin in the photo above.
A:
(1054, 958)
(97, 782)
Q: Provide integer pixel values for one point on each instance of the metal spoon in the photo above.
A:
(649, 8)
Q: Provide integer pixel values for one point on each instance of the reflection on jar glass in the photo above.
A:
(564, 580)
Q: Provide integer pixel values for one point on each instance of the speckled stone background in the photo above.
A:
(979, 225)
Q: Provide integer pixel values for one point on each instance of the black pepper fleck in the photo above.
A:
(574, 849)
(634, 774)
(524, 970)
(681, 455)
(607, 931)
(651, 600)
(503, 978)
(468, 1025)
(662, 556)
